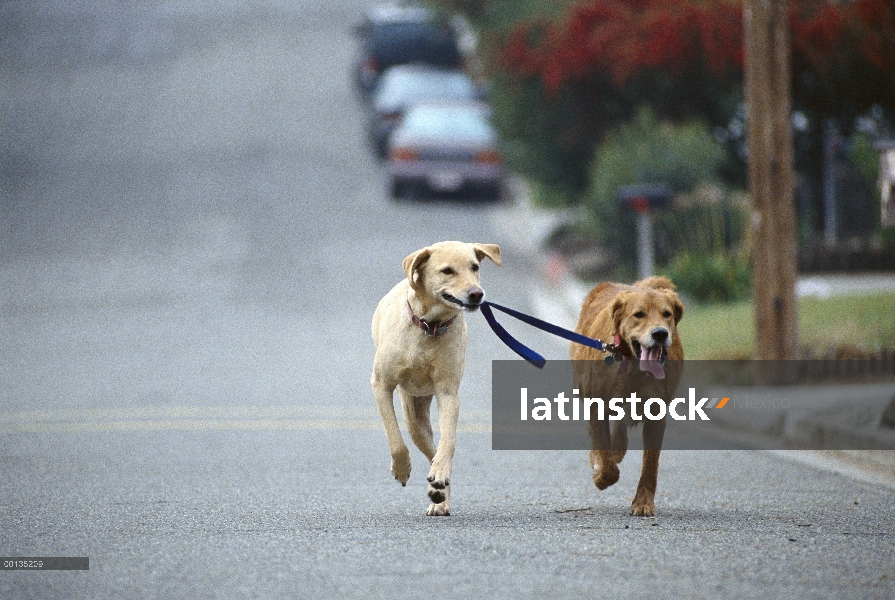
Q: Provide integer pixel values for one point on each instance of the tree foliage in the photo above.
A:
(604, 58)
(843, 57)
(621, 39)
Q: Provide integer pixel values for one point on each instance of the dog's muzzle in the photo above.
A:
(476, 298)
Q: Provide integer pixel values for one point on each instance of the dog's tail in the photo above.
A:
(658, 282)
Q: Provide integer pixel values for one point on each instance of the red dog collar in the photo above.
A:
(617, 342)
(433, 329)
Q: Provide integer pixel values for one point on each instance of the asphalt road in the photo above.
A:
(193, 238)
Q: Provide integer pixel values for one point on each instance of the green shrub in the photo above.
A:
(704, 222)
(545, 141)
(646, 151)
(865, 159)
(711, 277)
(706, 247)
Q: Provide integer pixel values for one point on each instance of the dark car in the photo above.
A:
(396, 35)
(445, 147)
(405, 85)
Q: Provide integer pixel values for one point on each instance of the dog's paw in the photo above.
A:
(437, 495)
(603, 479)
(643, 510)
(438, 479)
(438, 510)
(401, 466)
(438, 484)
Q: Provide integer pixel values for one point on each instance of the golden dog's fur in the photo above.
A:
(421, 365)
(644, 316)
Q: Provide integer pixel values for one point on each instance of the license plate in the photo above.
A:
(446, 181)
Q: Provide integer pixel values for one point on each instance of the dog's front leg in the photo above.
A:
(400, 455)
(605, 470)
(644, 500)
(619, 441)
(440, 474)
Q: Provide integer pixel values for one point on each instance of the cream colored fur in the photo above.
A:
(421, 366)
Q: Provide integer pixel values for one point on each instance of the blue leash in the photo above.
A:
(523, 350)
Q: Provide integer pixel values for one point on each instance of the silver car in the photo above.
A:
(403, 86)
(445, 147)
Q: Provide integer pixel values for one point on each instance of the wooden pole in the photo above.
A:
(771, 178)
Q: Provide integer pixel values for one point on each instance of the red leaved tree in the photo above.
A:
(685, 59)
(843, 57)
(622, 39)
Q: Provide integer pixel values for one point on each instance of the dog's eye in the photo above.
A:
(638, 314)
(447, 271)
(475, 267)
(666, 314)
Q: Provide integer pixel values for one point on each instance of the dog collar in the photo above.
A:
(433, 329)
(617, 342)
(617, 346)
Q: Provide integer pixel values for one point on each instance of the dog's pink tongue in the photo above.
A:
(649, 362)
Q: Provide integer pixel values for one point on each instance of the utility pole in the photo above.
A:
(771, 180)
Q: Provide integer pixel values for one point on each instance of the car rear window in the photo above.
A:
(402, 87)
(409, 42)
(449, 121)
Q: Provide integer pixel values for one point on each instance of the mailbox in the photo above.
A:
(645, 197)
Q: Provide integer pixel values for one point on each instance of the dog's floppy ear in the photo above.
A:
(492, 251)
(412, 264)
(677, 306)
(618, 310)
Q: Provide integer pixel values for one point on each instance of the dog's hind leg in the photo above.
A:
(416, 414)
(644, 500)
(400, 455)
(605, 470)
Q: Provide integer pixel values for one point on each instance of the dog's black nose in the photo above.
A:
(475, 295)
(660, 334)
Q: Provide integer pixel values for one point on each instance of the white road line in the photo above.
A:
(207, 418)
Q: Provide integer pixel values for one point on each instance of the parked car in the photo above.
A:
(395, 35)
(405, 85)
(445, 147)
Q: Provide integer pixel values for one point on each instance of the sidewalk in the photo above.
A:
(841, 422)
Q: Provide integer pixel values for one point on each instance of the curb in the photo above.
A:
(852, 426)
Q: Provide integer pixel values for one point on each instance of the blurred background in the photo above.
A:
(185, 148)
(592, 96)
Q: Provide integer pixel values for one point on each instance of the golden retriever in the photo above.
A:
(641, 319)
(420, 338)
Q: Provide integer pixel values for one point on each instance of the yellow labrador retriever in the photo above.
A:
(420, 338)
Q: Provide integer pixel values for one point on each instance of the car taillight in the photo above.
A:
(370, 65)
(403, 154)
(489, 157)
